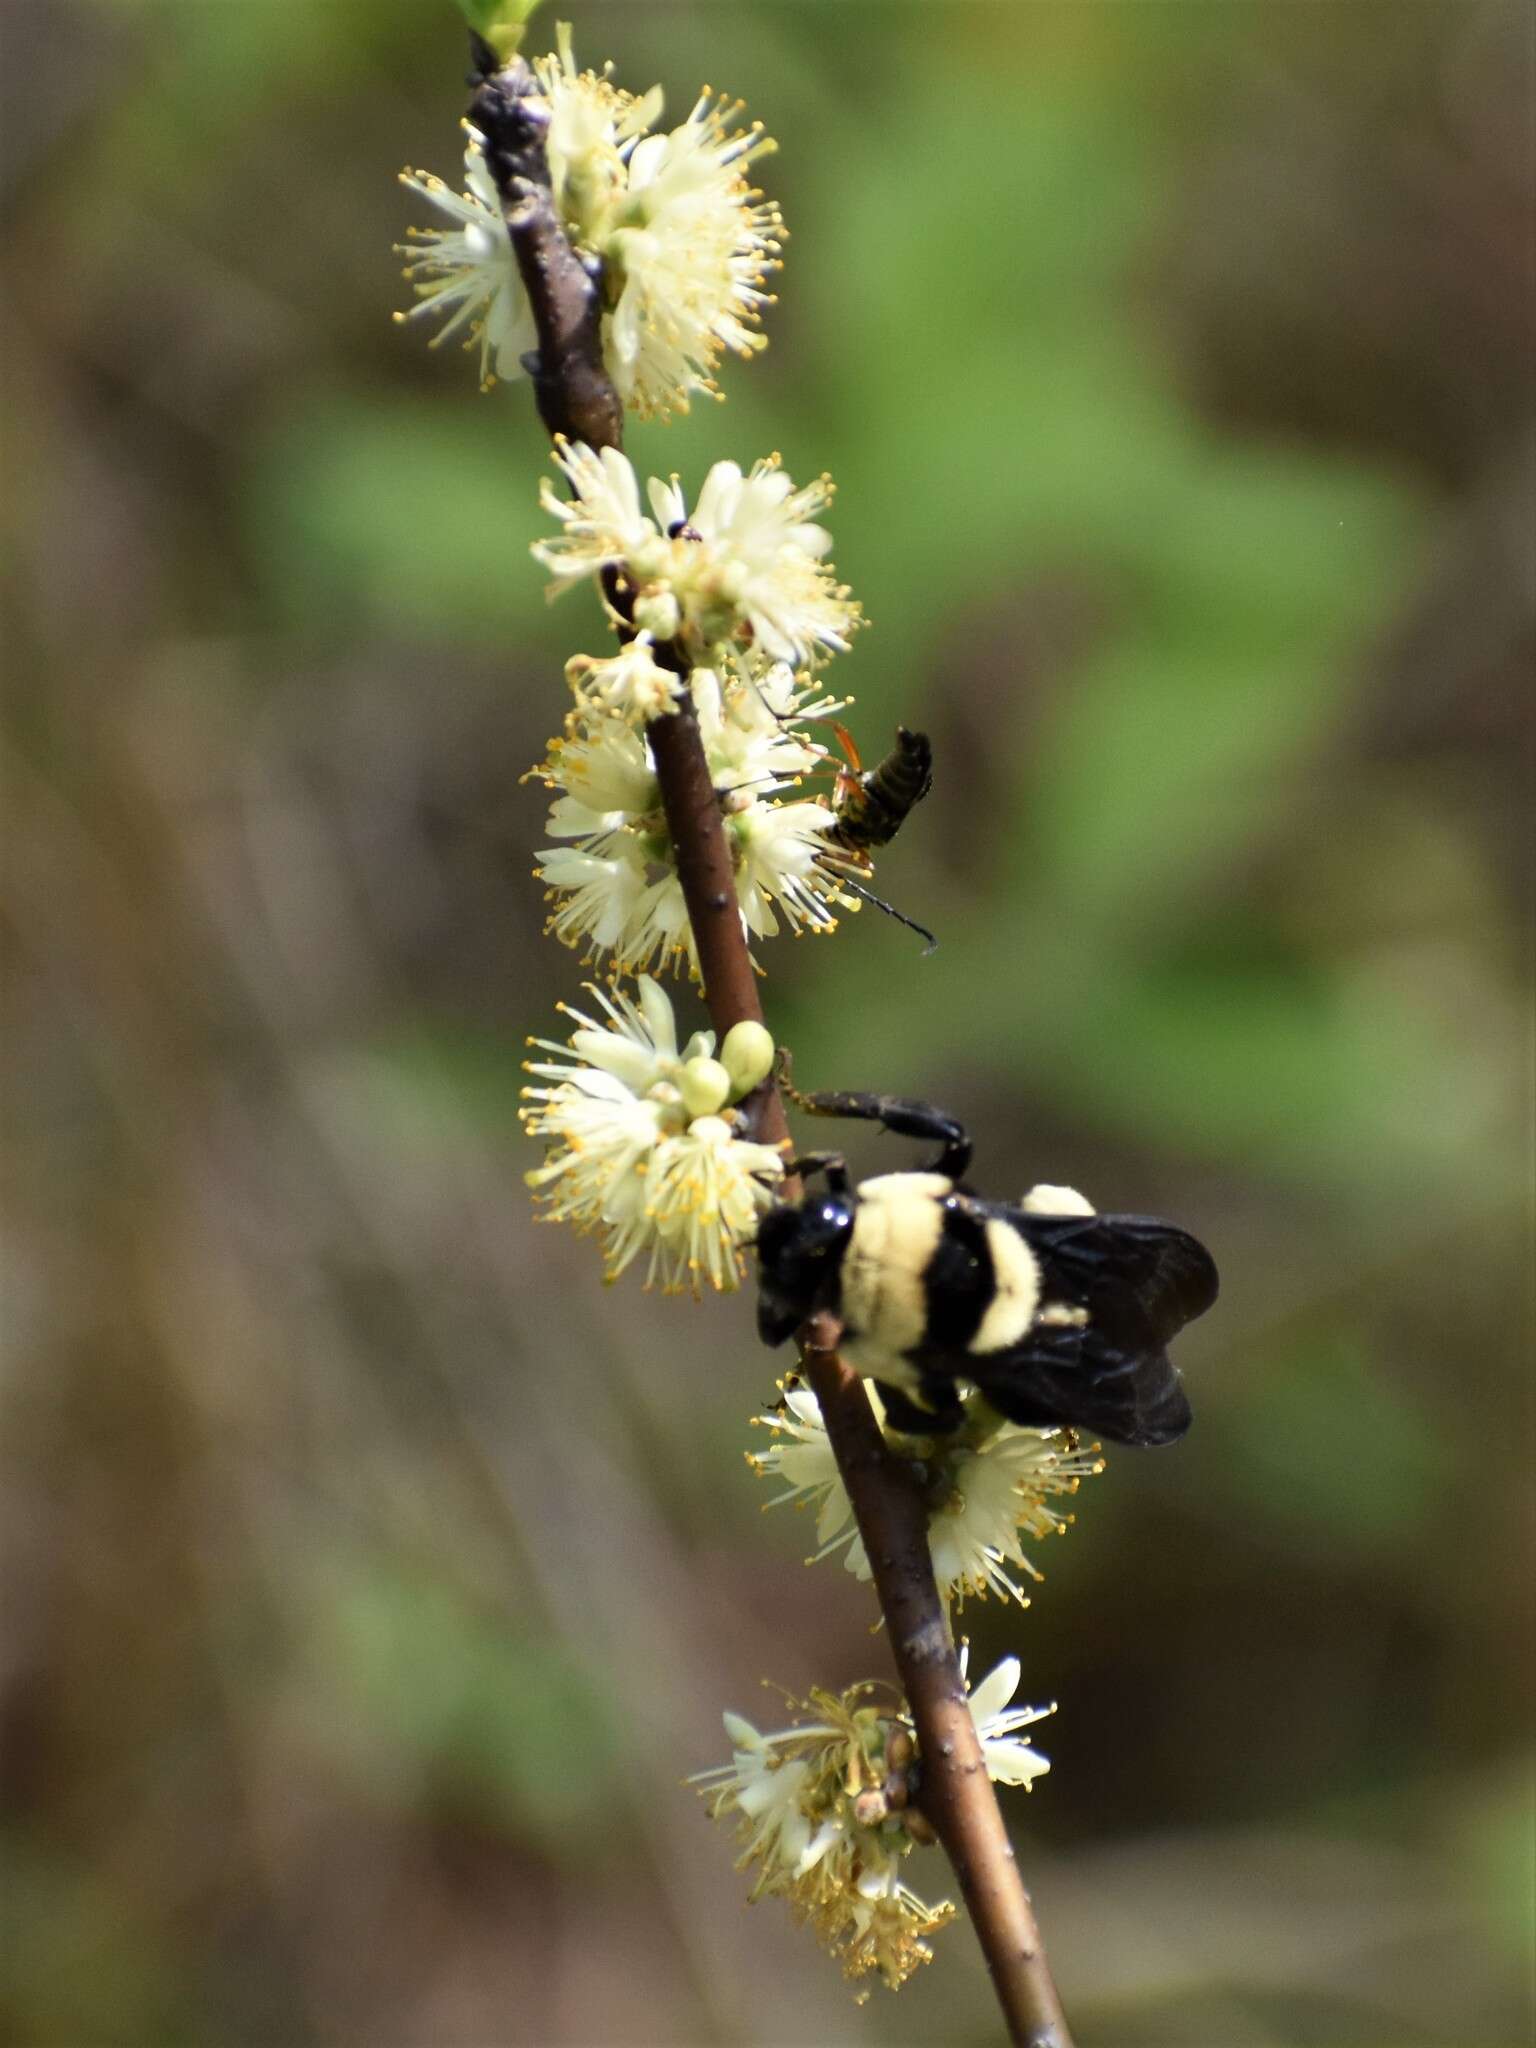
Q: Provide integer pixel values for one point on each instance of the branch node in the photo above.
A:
(572, 388)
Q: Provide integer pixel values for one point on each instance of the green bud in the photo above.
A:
(499, 23)
(705, 1086)
(747, 1056)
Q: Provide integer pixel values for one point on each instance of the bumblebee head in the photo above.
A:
(800, 1253)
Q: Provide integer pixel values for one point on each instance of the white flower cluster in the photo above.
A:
(746, 567)
(833, 1854)
(826, 1811)
(732, 596)
(989, 1484)
(644, 1144)
(684, 241)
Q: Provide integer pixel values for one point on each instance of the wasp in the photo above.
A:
(871, 805)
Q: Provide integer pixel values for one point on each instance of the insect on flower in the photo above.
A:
(870, 806)
(1058, 1316)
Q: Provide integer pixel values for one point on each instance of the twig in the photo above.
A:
(575, 395)
(957, 1795)
(576, 398)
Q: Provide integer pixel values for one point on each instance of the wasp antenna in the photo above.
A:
(890, 910)
(752, 782)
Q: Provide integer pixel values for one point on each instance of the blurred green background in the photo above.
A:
(376, 1577)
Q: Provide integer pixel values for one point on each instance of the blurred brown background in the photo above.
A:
(375, 1577)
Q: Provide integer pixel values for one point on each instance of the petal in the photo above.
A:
(656, 1009)
(995, 1691)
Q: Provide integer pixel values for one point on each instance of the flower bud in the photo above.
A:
(649, 560)
(705, 1086)
(658, 614)
(747, 1056)
(730, 583)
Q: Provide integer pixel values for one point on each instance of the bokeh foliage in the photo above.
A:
(378, 1576)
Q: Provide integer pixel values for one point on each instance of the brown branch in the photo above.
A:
(576, 398)
(957, 1795)
(574, 392)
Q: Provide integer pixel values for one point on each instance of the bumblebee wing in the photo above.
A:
(1114, 1290)
(1069, 1377)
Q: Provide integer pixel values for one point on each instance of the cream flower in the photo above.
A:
(682, 240)
(802, 1456)
(605, 769)
(819, 1811)
(775, 848)
(706, 1188)
(644, 1147)
(746, 568)
(1008, 1761)
(604, 904)
(629, 686)
(614, 888)
(603, 522)
(465, 274)
(687, 259)
(767, 559)
(989, 1485)
(594, 126)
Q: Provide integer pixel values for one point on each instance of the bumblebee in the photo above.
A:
(1058, 1316)
(870, 805)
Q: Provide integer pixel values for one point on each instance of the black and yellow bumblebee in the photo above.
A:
(1058, 1316)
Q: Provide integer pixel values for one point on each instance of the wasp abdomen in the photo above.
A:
(872, 808)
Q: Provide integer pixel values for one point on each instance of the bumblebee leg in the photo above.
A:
(944, 1412)
(906, 1118)
(832, 1164)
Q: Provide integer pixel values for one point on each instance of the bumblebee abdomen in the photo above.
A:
(897, 1228)
(928, 1277)
(1015, 1294)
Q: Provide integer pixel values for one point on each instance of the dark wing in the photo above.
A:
(1129, 1284)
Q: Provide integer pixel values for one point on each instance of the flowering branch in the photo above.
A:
(888, 1503)
(577, 400)
(615, 264)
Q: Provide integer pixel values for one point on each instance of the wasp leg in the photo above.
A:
(906, 1118)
